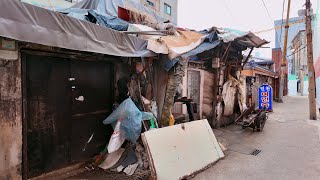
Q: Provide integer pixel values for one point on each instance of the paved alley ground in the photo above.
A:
(289, 144)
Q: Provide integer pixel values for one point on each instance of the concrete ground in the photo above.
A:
(289, 144)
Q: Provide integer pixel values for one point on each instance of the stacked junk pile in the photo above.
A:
(146, 140)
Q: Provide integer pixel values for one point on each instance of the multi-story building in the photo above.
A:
(164, 8)
(299, 64)
(299, 52)
(296, 24)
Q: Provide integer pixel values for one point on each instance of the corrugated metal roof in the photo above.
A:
(261, 61)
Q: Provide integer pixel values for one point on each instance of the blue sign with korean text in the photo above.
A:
(265, 97)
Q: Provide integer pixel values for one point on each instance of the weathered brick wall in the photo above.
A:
(10, 115)
(276, 57)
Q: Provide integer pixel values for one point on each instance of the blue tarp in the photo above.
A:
(205, 46)
(108, 21)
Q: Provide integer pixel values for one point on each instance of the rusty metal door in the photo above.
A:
(67, 100)
(48, 111)
(92, 98)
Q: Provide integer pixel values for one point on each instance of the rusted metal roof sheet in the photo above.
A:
(244, 38)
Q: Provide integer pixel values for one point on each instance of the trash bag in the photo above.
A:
(117, 138)
(131, 119)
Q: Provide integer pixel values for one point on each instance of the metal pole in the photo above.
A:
(311, 74)
(284, 55)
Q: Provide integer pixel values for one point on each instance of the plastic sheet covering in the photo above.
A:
(228, 95)
(24, 22)
(108, 21)
(131, 118)
(242, 93)
(79, 14)
(245, 38)
(49, 4)
(227, 34)
(140, 27)
(110, 7)
(175, 46)
(205, 46)
(230, 88)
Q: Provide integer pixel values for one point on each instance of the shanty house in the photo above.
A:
(258, 71)
(60, 77)
(210, 66)
(58, 82)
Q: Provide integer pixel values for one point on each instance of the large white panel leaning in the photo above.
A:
(178, 151)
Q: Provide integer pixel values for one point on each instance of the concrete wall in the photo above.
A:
(316, 53)
(10, 115)
(174, 10)
(158, 8)
(292, 88)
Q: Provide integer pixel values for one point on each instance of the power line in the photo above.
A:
(272, 21)
(282, 19)
(264, 4)
(228, 9)
(277, 27)
(295, 52)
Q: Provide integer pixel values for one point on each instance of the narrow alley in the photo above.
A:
(159, 89)
(289, 146)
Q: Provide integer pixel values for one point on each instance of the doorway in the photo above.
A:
(193, 90)
(66, 101)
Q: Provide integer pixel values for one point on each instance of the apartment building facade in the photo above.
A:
(164, 8)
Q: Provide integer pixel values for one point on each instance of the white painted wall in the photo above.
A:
(292, 88)
(318, 90)
(306, 88)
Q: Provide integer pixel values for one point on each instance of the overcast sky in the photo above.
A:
(246, 15)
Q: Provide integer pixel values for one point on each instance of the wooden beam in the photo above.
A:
(246, 60)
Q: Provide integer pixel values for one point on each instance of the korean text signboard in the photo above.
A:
(265, 97)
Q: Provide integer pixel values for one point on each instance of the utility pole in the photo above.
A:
(284, 54)
(311, 74)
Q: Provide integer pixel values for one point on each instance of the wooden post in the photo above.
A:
(284, 55)
(213, 114)
(311, 74)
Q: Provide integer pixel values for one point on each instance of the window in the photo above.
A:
(150, 3)
(167, 9)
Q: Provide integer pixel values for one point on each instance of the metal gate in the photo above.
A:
(67, 100)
